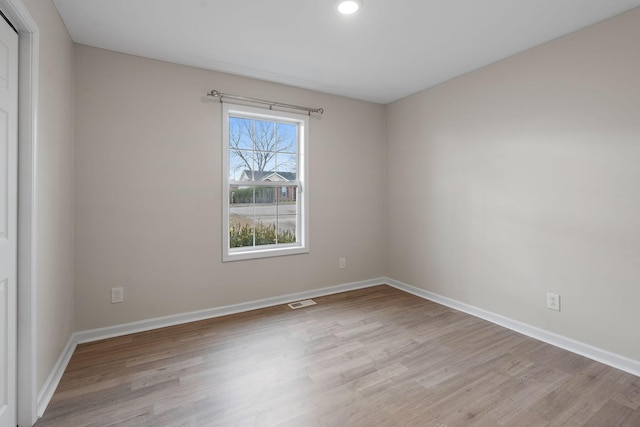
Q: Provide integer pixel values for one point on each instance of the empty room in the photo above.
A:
(320, 213)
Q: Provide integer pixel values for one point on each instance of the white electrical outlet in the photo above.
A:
(553, 301)
(117, 295)
(342, 262)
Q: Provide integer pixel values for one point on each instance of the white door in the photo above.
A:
(8, 215)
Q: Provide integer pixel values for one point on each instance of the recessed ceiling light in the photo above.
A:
(348, 7)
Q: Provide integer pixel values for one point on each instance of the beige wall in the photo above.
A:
(148, 192)
(523, 177)
(55, 223)
(492, 189)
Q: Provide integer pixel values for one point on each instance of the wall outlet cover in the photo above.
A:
(553, 301)
(117, 295)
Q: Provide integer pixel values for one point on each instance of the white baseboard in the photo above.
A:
(603, 356)
(50, 385)
(617, 361)
(177, 319)
(46, 393)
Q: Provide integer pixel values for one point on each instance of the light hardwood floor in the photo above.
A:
(372, 357)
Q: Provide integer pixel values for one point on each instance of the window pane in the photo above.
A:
(286, 166)
(264, 164)
(241, 223)
(287, 214)
(264, 137)
(240, 195)
(240, 165)
(240, 131)
(287, 138)
(266, 216)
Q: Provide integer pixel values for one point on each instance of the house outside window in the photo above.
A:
(264, 183)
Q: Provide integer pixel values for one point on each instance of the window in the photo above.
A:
(265, 172)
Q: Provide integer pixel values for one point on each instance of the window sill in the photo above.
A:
(241, 255)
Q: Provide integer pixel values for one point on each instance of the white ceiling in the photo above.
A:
(390, 49)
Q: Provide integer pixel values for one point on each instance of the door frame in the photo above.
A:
(28, 78)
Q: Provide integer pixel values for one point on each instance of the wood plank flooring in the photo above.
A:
(372, 357)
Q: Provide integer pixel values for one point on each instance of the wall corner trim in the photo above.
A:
(594, 353)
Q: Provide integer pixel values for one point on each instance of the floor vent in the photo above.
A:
(300, 304)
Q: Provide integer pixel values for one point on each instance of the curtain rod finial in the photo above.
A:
(214, 93)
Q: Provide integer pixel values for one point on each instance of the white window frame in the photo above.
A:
(302, 204)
